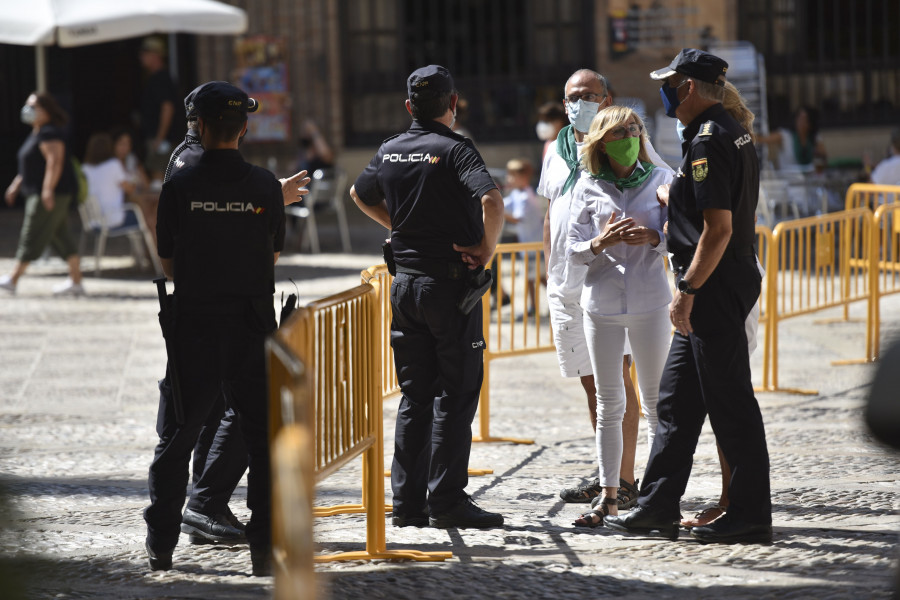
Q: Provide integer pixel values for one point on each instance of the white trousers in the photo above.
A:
(650, 335)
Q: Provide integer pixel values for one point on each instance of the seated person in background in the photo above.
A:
(888, 171)
(107, 180)
(315, 153)
(525, 209)
(123, 146)
(799, 150)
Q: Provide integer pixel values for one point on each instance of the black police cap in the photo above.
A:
(219, 100)
(697, 64)
(433, 79)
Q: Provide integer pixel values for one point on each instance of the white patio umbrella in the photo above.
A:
(67, 23)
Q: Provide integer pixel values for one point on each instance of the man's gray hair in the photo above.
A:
(588, 73)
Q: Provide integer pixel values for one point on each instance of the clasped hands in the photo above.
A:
(623, 231)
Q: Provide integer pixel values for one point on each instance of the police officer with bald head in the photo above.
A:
(712, 205)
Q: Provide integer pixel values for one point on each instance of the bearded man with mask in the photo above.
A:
(586, 92)
(712, 204)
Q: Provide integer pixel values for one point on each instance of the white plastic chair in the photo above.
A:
(94, 223)
(327, 187)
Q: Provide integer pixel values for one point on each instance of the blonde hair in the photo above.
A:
(593, 158)
(737, 108)
(520, 166)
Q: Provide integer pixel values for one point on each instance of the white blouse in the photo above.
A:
(621, 279)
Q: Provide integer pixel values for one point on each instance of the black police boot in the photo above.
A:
(204, 529)
(466, 514)
(159, 561)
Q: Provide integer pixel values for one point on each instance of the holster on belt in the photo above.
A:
(478, 282)
(388, 254)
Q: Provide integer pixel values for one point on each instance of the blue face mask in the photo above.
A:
(679, 130)
(669, 97)
(581, 114)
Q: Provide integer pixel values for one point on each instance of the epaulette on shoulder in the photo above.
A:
(706, 129)
(387, 139)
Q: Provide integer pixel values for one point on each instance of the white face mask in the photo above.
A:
(544, 131)
(679, 129)
(26, 115)
(581, 114)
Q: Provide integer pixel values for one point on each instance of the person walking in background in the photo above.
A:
(220, 231)
(616, 229)
(431, 189)
(46, 179)
(712, 204)
(525, 211)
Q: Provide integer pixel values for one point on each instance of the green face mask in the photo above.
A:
(624, 151)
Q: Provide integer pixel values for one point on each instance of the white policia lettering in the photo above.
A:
(744, 139)
(227, 207)
(415, 157)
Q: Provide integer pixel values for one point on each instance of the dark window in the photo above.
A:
(840, 56)
(507, 57)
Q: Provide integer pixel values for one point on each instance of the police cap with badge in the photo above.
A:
(696, 64)
(430, 81)
(219, 100)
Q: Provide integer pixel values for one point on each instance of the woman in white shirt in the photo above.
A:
(107, 180)
(616, 229)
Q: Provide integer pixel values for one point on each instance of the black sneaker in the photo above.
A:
(204, 529)
(582, 494)
(159, 561)
(466, 514)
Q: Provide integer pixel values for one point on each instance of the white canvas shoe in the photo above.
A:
(6, 283)
(68, 288)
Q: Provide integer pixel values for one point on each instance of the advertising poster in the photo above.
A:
(261, 71)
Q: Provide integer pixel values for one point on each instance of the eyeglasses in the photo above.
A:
(585, 97)
(632, 130)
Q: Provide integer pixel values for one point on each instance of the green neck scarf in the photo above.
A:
(568, 151)
(637, 177)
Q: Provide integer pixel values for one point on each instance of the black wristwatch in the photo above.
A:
(684, 287)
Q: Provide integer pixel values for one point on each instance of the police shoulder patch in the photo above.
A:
(699, 169)
(706, 128)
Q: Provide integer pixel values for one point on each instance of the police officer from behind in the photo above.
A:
(712, 204)
(430, 188)
(220, 227)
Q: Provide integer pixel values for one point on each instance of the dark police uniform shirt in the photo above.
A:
(187, 154)
(433, 181)
(719, 170)
(221, 221)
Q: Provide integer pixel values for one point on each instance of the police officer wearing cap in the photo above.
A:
(430, 188)
(712, 205)
(220, 228)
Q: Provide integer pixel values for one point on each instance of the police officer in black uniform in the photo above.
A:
(712, 206)
(220, 228)
(430, 187)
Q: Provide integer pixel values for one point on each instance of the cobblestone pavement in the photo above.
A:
(77, 416)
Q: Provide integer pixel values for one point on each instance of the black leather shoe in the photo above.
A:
(204, 529)
(733, 531)
(233, 520)
(465, 514)
(159, 561)
(262, 561)
(413, 520)
(641, 521)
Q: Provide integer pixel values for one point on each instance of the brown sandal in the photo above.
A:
(594, 518)
(704, 517)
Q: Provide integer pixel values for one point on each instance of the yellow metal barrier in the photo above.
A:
(293, 486)
(871, 196)
(338, 337)
(766, 257)
(822, 262)
(887, 272)
(511, 330)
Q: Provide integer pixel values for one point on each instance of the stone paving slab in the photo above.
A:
(77, 416)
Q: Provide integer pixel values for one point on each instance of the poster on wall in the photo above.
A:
(261, 71)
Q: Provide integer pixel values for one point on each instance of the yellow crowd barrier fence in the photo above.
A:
(338, 337)
(887, 257)
(819, 263)
(871, 196)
